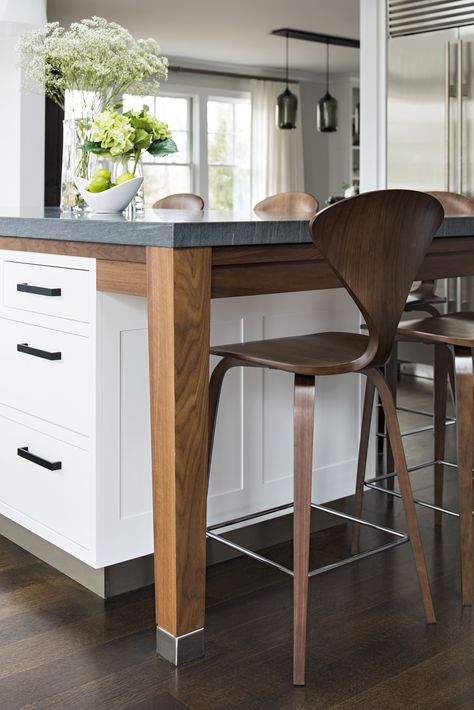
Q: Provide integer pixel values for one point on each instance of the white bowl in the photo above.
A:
(111, 201)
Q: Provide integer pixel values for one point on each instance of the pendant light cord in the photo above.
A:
(287, 60)
(327, 67)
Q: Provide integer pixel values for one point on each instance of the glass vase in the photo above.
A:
(130, 165)
(75, 163)
(103, 161)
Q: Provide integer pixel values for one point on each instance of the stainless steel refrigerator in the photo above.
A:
(430, 109)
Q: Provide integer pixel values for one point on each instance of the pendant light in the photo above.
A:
(326, 113)
(287, 103)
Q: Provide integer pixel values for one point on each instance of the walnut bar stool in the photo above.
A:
(288, 202)
(422, 299)
(180, 201)
(375, 243)
(453, 337)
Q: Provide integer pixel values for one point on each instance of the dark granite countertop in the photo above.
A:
(177, 228)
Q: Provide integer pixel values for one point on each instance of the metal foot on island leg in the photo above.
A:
(179, 649)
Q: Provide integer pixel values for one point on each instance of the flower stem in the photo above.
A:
(137, 158)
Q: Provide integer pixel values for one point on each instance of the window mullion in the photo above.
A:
(201, 147)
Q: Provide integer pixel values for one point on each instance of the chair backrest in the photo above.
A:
(376, 243)
(454, 204)
(287, 202)
(180, 201)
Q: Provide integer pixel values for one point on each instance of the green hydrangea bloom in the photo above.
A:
(142, 120)
(159, 130)
(114, 132)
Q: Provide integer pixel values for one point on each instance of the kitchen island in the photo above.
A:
(179, 262)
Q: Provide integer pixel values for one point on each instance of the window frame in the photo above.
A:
(198, 128)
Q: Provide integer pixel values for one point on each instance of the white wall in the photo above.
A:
(315, 144)
(373, 94)
(22, 115)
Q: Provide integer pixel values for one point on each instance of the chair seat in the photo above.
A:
(318, 354)
(453, 328)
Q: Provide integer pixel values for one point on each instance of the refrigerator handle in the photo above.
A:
(460, 100)
(447, 117)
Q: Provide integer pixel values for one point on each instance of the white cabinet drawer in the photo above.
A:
(60, 500)
(50, 290)
(57, 390)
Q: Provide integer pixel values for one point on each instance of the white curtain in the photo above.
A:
(277, 155)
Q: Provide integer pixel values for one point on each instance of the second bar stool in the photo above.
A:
(453, 337)
(289, 202)
(375, 243)
(422, 299)
(180, 201)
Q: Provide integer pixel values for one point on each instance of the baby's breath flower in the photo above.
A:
(93, 55)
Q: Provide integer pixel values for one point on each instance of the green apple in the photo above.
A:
(124, 177)
(101, 172)
(98, 184)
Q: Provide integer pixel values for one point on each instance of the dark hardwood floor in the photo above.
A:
(62, 647)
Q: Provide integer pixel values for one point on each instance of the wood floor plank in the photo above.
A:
(61, 675)
(163, 701)
(443, 681)
(100, 628)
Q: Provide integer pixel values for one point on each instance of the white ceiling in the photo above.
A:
(229, 32)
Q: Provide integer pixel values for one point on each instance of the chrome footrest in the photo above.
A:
(401, 538)
(418, 430)
(373, 483)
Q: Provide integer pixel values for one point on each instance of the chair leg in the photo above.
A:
(405, 489)
(362, 461)
(381, 429)
(215, 386)
(440, 390)
(303, 468)
(391, 376)
(452, 381)
(465, 440)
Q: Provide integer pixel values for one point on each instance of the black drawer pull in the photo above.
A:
(50, 465)
(25, 348)
(40, 290)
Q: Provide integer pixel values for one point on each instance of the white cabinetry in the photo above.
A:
(47, 398)
(89, 409)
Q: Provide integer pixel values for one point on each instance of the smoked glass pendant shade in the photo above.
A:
(287, 106)
(326, 116)
(287, 103)
(326, 112)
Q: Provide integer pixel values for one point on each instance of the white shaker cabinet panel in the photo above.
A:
(124, 500)
(256, 411)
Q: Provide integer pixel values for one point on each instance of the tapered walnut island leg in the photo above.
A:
(179, 293)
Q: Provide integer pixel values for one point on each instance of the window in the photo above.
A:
(165, 176)
(228, 140)
(220, 172)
